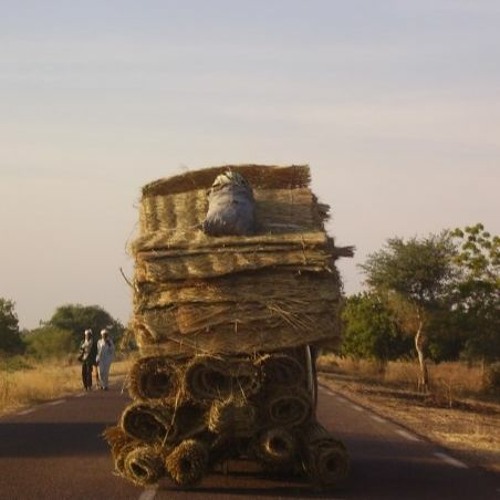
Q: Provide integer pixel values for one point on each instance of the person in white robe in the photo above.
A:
(105, 356)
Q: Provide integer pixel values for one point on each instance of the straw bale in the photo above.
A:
(259, 176)
(188, 462)
(325, 458)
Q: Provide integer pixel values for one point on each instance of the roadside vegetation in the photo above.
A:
(27, 382)
(429, 300)
(41, 364)
(459, 413)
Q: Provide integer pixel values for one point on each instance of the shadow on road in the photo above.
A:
(51, 439)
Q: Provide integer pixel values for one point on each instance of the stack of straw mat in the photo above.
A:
(278, 288)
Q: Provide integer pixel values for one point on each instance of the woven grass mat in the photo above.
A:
(263, 286)
(154, 334)
(326, 461)
(259, 176)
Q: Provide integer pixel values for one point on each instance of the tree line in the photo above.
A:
(58, 336)
(436, 297)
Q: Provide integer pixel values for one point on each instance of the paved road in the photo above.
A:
(54, 451)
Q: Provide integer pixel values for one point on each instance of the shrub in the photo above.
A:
(493, 378)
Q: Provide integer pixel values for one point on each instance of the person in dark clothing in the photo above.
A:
(88, 351)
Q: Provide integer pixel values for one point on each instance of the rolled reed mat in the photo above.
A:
(121, 445)
(164, 424)
(233, 416)
(287, 407)
(188, 462)
(275, 446)
(325, 458)
(154, 377)
(208, 378)
(147, 422)
(144, 465)
(116, 438)
(281, 369)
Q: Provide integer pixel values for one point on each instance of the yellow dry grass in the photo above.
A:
(456, 413)
(45, 381)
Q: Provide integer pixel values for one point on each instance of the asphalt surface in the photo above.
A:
(56, 451)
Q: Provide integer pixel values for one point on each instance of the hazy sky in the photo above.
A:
(394, 105)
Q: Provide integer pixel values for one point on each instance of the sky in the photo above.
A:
(393, 104)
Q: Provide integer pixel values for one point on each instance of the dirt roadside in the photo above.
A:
(469, 429)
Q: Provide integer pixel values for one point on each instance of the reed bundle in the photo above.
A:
(234, 416)
(188, 462)
(276, 446)
(161, 423)
(144, 465)
(147, 422)
(155, 378)
(208, 378)
(121, 445)
(325, 458)
(287, 407)
(280, 369)
(116, 438)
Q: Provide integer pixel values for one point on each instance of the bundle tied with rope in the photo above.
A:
(234, 278)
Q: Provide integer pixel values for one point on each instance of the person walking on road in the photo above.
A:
(105, 355)
(87, 356)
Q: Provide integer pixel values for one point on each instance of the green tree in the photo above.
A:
(50, 342)
(76, 318)
(477, 293)
(10, 337)
(370, 330)
(414, 276)
(448, 337)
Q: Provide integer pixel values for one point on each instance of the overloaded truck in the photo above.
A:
(235, 289)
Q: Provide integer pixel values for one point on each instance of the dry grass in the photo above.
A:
(40, 382)
(456, 413)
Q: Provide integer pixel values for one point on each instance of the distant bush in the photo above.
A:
(13, 363)
(50, 342)
(493, 378)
